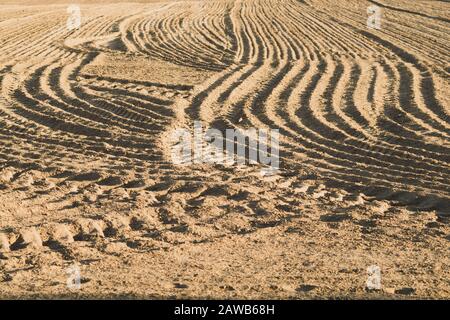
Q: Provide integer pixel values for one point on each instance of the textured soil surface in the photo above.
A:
(87, 181)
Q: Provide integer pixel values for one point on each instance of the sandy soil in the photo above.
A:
(87, 181)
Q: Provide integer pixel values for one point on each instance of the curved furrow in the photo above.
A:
(114, 114)
(209, 42)
(159, 106)
(355, 18)
(311, 152)
(346, 115)
(350, 147)
(176, 42)
(239, 107)
(37, 106)
(304, 144)
(339, 39)
(395, 123)
(411, 105)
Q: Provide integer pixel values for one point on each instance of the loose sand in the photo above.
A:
(87, 181)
